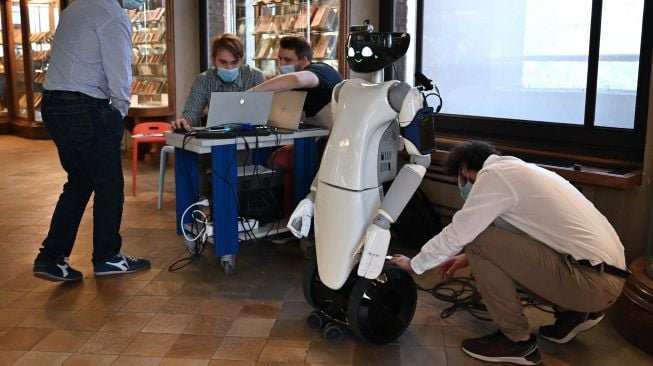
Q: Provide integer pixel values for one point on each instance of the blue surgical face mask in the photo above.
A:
(465, 189)
(285, 69)
(132, 4)
(228, 75)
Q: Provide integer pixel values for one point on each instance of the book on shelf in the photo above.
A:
(39, 77)
(37, 100)
(319, 15)
(263, 48)
(302, 21)
(320, 48)
(328, 22)
(274, 49)
(326, 47)
(288, 23)
(332, 48)
(263, 23)
(275, 24)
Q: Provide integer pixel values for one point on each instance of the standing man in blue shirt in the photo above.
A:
(87, 95)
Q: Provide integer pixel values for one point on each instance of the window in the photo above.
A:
(564, 74)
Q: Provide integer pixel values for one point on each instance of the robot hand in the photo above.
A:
(375, 247)
(300, 220)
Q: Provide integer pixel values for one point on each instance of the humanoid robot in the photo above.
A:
(350, 284)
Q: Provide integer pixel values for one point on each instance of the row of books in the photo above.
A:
(39, 77)
(148, 37)
(22, 101)
(147, 87)
(39, 55)
(152, 58)
(150, 70)
(153, 15)
(324, 46)
(41, 37)
(323, 18)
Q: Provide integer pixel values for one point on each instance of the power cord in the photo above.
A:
(462, 293)
(195, 245)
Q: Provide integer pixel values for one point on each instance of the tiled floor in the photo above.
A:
(197, 315)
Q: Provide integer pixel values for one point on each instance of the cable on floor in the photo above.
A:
(462, 293)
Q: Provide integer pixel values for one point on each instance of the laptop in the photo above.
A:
(286, 110)
(238, 108)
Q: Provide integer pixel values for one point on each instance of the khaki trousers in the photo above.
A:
(501, 260)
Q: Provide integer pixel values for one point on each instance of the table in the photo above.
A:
(224, 167)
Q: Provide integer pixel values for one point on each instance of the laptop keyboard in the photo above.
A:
(305, 126)
(229, 134)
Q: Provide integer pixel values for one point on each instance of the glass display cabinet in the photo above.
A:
(321, 22)
(33, 23)
(5, 122)
(153, 83)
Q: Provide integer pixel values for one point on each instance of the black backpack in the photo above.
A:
(417, 223)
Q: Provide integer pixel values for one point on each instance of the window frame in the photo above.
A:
(586, 139)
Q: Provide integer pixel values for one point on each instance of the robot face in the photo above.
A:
(373, 51)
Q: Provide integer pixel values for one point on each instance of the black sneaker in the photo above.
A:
(568, 324)
(57, 271)
(119, 264)
(496, 347)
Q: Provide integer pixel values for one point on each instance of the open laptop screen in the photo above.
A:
(286, 109)
(239, 107)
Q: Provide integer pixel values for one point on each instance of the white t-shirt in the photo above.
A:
(537, 202)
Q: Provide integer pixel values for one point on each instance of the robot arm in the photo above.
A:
(377, 237)
(299, 223)
(412, 103)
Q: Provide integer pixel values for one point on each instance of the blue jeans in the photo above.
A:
(87, 132)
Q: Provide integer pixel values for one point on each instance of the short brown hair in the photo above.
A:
(229, 42)
(299, 45)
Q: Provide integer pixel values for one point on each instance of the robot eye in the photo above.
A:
(366, 52)
(351, 52)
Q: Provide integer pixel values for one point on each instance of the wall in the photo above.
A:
(186, 40)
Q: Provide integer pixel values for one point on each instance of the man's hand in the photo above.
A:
(300, 220)
(181, 123)
(402, 262)
(447, 269)
(375, 247)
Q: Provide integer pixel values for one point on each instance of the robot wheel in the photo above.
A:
(377, 311)
(315, 320)
(333, 333)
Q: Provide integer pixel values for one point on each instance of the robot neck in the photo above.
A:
(378, 76)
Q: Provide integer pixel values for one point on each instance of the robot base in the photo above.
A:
(377, 311)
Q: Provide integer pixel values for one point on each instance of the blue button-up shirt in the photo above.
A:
(92, 52)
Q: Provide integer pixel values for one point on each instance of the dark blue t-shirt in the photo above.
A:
(318, 97)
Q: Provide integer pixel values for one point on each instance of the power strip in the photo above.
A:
(247, 225)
